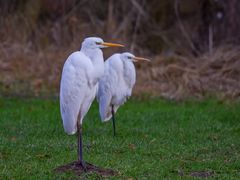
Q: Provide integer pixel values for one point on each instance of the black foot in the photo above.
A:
(83, 165)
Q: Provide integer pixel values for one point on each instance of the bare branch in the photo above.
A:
(182, 28)
(139, 8)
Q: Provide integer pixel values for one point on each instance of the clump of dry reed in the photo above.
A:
(179, 77)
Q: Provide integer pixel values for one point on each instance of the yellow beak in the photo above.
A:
(111, 44)
(141, 59)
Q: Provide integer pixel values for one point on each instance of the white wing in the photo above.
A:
(107, 86)
(129, 75)
(76, 90)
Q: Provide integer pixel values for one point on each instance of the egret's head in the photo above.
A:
(96, 42)
(130, 57)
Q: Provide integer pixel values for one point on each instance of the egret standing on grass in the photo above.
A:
(115, 87)
(81, 73)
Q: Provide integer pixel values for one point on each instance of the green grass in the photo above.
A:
(156, 139)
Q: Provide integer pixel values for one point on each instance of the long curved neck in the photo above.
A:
(96, 56)
(127, 64)
(129, 72)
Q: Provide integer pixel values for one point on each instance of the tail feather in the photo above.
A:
(69, 123)
(69, 118)
(107, 115)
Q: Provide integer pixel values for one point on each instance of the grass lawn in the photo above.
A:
(156, 139)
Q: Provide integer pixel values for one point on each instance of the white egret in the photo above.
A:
(115, 87)
(80, 75)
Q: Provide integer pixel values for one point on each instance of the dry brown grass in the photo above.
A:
(37, 37)
(27, 72)
(179, 77)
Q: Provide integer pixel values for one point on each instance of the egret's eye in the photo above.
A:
(98, 43)
(129, 57)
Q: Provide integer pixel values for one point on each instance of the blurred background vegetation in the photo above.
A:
(194, 45)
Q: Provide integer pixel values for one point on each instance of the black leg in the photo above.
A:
(113, 121)
(80, 147)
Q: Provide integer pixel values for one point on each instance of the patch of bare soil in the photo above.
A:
(79, 169)
(201, 174)
(196, 174)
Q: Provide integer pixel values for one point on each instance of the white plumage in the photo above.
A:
(115, 87)
(116, 84)
(81, 73)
